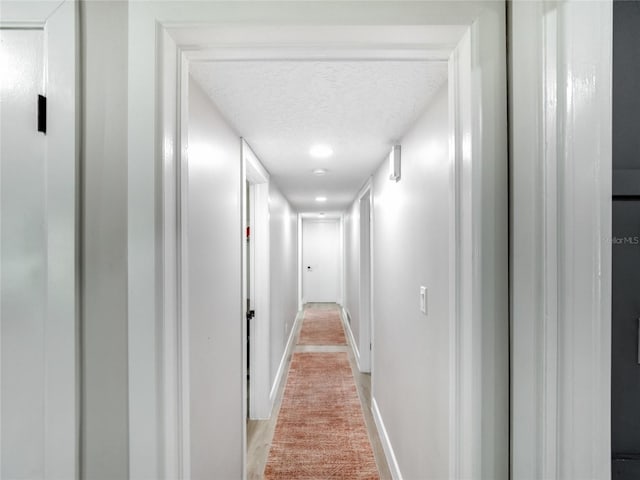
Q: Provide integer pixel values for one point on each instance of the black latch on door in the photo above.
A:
(42, 114)
(251, 314)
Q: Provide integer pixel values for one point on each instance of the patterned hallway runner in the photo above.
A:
(322, 327)
(320, 432)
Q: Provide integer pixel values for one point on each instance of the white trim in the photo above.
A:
(21, 15)
(258, 178)
(356, 41)
(348, 52)
(455, 306)
(244, 332)
(368, 184)
(184, 348)
(62, 453)
(366, 314)
(548, 169)
(351, 338)
(480, 304)
(561, 309)
(171, 241)
(343, 270)
(584, 247)
(466, 343)
(372, 312)
(283, 361)
(394, 467)
(300, 293)
(478, 263)
(255, 172)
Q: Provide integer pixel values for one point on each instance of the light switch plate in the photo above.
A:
(423, 300)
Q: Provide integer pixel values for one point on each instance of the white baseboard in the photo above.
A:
(283, 360)
(386, 443)
(352, 340)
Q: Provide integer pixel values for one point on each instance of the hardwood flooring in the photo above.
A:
(260, 432)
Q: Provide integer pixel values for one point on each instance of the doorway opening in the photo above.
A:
(248, 254)
(365, 347)
(467, 101)
(256, 283)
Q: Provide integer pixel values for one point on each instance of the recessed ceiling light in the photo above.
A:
(321, 151)
(320, 171)
(321, 199)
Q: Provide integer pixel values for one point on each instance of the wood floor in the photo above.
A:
(260, 432)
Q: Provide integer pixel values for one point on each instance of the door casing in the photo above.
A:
(479, 321)
(260, 404)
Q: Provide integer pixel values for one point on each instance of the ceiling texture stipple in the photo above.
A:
(359, 108)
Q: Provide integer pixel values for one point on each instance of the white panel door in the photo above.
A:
(23, 257)
(38, 254)
(321, 260)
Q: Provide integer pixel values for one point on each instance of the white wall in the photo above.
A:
(105, 428)
(411, 248)
(561, 238)
(214, 298)
(283, 222)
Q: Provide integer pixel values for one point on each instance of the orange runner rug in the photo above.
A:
(322, 327)
(320, 433)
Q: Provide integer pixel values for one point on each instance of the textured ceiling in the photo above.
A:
(282, 108)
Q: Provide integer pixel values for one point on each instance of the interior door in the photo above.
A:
(38, 233)
(365, 283)
(23, 259)
(625, 361)
(321, 260)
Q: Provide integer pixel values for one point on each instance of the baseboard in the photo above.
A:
(386, 443)
(352, 340)
(283, 360)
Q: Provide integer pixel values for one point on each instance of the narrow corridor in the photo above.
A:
(469, 169)
(260, 433)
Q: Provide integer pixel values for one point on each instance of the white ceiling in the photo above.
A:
(283, 107)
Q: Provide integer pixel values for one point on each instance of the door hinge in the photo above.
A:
(42, 114)
(370, 347)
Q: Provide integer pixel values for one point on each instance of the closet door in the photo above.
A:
(38, 241)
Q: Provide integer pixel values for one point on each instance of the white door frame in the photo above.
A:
(366, 286)
(561, 64)
(364, 349)
(299, 237)
(259, 392)
(59, 21)
(479, 348)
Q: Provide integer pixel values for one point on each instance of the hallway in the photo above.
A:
(260, 432)
(167, 166)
